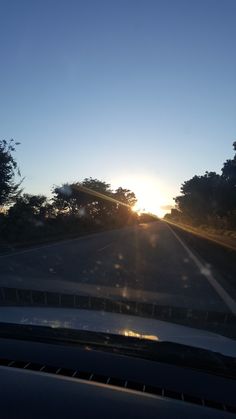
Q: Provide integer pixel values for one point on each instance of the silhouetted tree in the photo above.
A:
(200, 196)
(66, 199)
(94, 200)
(229, 176)
(28, 208)
(124, 214)
(81, 198)
(97, 199)
(90, 205)
(209, 199)
(26, 217)
(229, 170)
(9, 170)
(126, 196)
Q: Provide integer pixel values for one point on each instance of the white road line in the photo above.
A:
(104, 247)
(47, 246)
(230, 303)
(43, 246)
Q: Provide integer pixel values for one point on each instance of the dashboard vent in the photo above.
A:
(116, 382)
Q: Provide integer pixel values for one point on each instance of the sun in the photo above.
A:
(149, 193)
(148, 200)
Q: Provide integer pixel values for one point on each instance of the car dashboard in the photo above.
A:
(43, 380)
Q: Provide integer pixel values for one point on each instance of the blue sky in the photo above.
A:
(130, 91)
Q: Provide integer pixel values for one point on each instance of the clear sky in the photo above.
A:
(141, 93)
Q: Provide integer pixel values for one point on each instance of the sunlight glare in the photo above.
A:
(150, 194)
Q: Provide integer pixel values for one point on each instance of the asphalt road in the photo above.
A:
(149, 262)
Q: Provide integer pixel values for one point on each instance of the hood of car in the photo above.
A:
(120, 324)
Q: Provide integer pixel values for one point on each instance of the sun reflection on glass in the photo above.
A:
(131, 333)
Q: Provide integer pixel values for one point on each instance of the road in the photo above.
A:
(149, 262)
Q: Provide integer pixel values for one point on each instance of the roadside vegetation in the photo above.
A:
(73, 209)
(208, 202)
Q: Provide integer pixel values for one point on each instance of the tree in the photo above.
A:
(210, 198)
(96, 199)
(126, 196)
(229, 176)
(125, 201)
(9, 170)
(65, 199)
(29, 208)
(26, 218)
(229, 170)
(86, 197)
(93, 200)
(201, 197)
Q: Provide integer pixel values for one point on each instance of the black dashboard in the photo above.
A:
(59, 380)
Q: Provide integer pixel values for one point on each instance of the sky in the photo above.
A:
(139, 93)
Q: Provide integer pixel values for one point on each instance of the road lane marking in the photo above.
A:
(47, 246)
(105, 247)
(230, 303)
(22, 252)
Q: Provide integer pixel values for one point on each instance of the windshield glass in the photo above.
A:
(118, 168)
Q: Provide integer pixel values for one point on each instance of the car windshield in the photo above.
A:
(118, 168)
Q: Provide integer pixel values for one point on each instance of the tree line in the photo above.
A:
(79, 207)
(208, 200)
